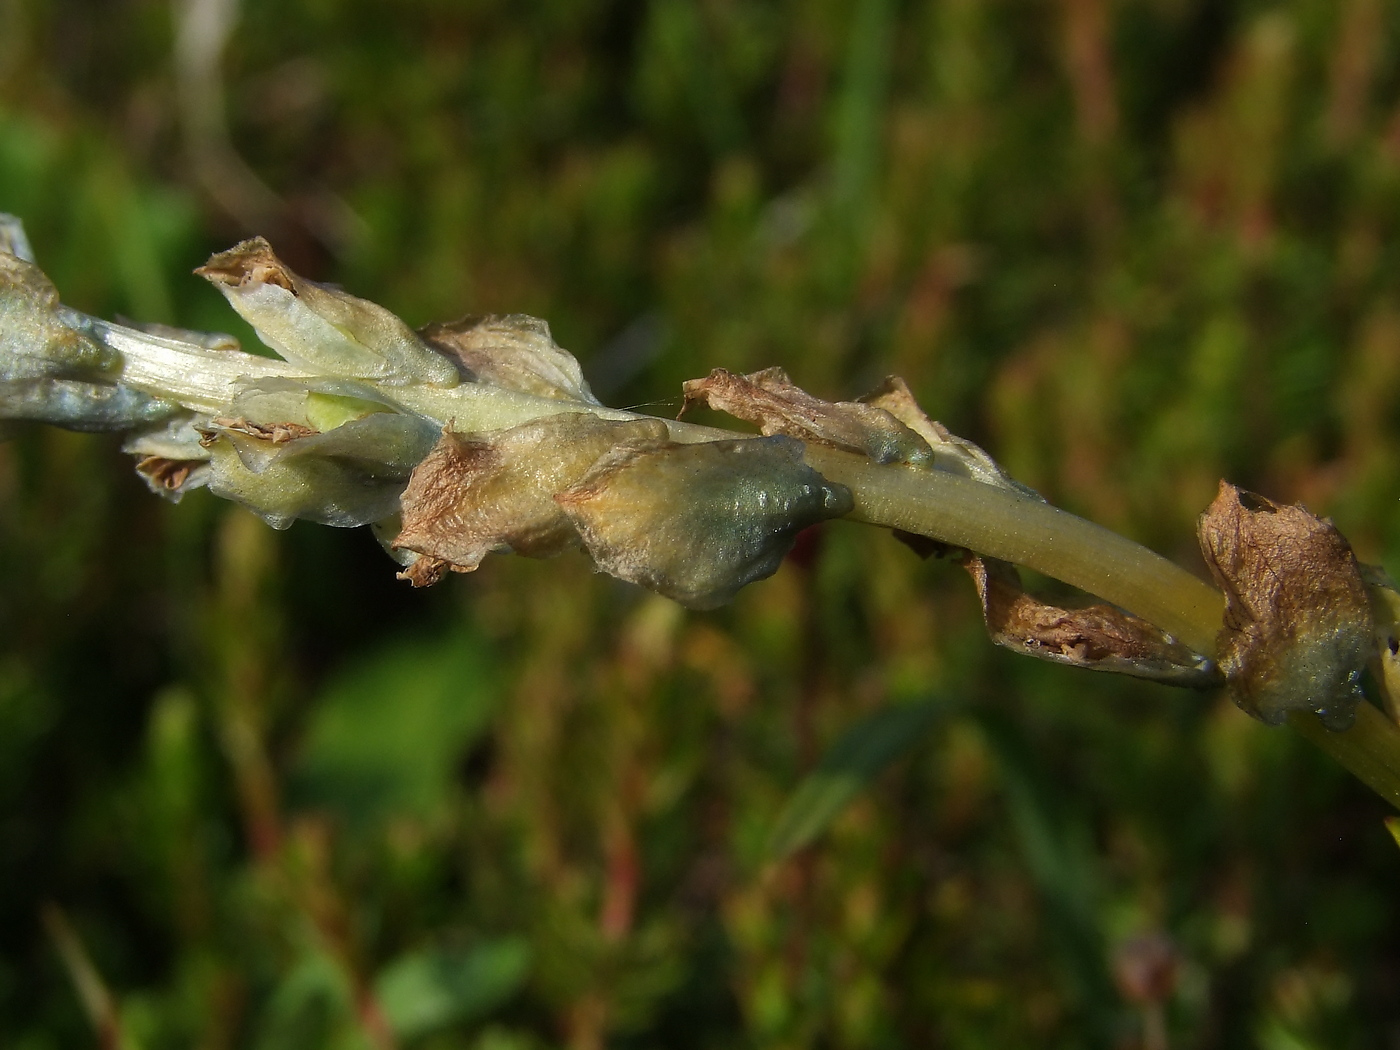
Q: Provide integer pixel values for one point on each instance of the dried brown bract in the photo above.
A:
(1298, 625)
(171, 476)
(698, 522)
(516, 352)
(276, 433)
(1099, 637)
(474, 494)
(770, 399)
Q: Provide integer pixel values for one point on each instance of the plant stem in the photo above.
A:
(1003, 525)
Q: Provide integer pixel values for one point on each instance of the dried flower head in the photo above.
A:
(1298, 626)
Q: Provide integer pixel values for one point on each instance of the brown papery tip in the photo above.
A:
(249, 262)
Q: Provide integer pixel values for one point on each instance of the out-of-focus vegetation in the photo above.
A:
(254, 792)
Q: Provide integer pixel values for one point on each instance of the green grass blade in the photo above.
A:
(855, 760)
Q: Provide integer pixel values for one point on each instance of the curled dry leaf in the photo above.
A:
(698, 522)
(318, 326)
(474, 494)
(770, 399)
(1099, 637)
(515, 351)
(1298, 627)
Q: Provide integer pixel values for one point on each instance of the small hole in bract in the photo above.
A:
(1251, 501)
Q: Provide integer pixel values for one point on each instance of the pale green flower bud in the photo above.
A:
(320, 327)
(281, 467)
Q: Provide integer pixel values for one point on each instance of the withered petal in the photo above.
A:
(424, 570)
(771, 400)
(514, 351)
(1098, 637)
(276, 433)
(696, 522)
(172, 478)
(474, 494)
(1298, 625)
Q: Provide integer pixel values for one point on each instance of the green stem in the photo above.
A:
(1003, 525)
(1370, 749)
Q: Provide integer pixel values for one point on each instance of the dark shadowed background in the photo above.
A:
(256, 793)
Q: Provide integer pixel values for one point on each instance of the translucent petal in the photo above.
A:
(698, 522)
(515, 351)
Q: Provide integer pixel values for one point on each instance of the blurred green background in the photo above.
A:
(256, 793)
